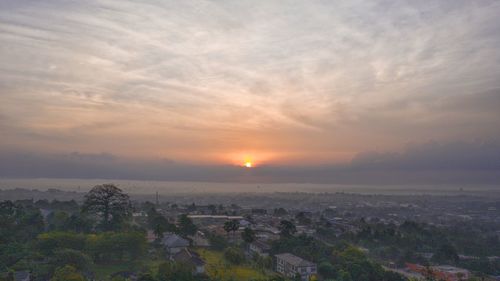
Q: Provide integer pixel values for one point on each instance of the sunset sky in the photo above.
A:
(298, 85)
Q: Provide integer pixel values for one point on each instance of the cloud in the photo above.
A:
(429, 163)
(433, 156)
(199, 81)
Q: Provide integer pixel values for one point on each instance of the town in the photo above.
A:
(276, 236)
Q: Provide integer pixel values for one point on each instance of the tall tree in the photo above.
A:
(109, 203)
(160, 225)
(231, 226)
(186, 225)
(248, 235)
(19, 223)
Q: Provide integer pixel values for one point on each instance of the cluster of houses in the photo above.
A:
(177, 249)
(265, 226)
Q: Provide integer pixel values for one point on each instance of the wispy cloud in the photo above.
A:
(308, 81)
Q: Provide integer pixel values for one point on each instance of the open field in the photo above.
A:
(218, 267)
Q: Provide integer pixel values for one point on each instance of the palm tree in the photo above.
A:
(231, 226)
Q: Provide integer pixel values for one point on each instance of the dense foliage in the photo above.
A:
(341, 262)
(423, 243)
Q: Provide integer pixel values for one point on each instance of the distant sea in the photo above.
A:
(169, 187)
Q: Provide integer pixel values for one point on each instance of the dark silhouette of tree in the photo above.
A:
(248, 235)
(19, 223)
(186, 226)
(109, 203)
(280, 212)
(159, 224)
(231, 226)
(287, 228)
(302, 218)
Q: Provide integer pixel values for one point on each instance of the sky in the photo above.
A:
(308, 91)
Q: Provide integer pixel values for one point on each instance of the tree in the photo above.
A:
(446, 254)
(145, 277)
(19, 223)
(159, 225)
(57, 220)
(78, 223)
(170, 271)
(186, 226)
(344, 276)
(234, 255)
(287, 228)
(109, 203)
(248, 235)
(213, 209)
(67, 273)
(71, 257)
(49, 242)
(302, 218)
(280, 212)
(217, 242)
(231, 226)
(326, 270)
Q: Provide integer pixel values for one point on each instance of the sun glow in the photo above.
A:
(248, 164)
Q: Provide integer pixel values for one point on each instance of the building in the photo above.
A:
(190, 258)
(441, 272)
(22, 276)
(199, 239)
(150, 236)
(451, 273)
(259, 247)
(291, 266)
(173, 243)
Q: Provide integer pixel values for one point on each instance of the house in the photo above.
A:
(190, 258)
(291, 266)
(199, 239)
(440, 272)
(173, 243)
(150, 236)
(259, 247)
(22, 276)
(244, 223)
(448, 272)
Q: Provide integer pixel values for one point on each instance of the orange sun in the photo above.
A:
(248, 164)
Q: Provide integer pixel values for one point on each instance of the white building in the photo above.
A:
(290, 265)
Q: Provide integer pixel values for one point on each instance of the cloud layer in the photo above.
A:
(431, 163)
(294, 83)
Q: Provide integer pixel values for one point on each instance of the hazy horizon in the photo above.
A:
(172, 188)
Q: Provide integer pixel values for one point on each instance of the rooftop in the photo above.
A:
(294, 260)
(174, 240)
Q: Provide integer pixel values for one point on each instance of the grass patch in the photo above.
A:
(218, 268)
(104, 271)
